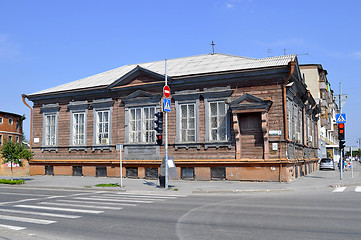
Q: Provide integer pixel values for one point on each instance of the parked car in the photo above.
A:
(327, 163)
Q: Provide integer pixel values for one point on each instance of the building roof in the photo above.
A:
(9, 113)
(179, 67)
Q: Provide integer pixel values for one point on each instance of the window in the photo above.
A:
(10, 138)
(10, 121)
(290, 119)
(102, 127)
(78, 128)
(141, 125)
(50, 129)
(218, 121)
(187, 123)
(1, 139)
(1, 120)
(17, 139)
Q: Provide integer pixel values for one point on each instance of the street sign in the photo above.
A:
(166, 105)
(341, 118)
(166, 91)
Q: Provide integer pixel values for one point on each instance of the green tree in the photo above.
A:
(13, 153)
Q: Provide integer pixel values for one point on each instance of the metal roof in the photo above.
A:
(201, 64)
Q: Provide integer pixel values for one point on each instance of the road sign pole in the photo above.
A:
(166, 133)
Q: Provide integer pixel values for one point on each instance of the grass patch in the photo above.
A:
(9, 181)
(107, 185)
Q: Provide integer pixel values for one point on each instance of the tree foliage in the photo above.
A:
(13, 153)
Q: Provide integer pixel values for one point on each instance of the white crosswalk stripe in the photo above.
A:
(111, 199)
(100, 203)
(81, 206)
(358, 189)
(16, 228)
(24, 219)
(59, 209)
(339, 189)
(39, 213)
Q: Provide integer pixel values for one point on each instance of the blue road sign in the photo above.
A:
(166, 106)
(341, 118)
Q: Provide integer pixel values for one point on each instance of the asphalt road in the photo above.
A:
(302, 213)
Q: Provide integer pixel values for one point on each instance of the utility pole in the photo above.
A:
(340, 142)
(166, 133)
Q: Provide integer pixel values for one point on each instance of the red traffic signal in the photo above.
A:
(341, 131)
(159, 139)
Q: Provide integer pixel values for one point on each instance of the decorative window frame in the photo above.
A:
(47, 110)
(187, 97)
(102, 105)
(217, 95)
(78, 107)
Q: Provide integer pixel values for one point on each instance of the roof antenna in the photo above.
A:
(213, 47)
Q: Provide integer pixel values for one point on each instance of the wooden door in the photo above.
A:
(251, 135)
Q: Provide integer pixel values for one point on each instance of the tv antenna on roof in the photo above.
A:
(213, 47)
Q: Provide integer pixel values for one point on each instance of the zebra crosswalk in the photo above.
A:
(19, 215)
(340, 189)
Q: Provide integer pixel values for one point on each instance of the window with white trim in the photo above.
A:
(1, 120)
(141, 124)
(50, 129)
(10, 121)
(217, 121)
(187, 122)
(102, 127)
(78, 129)
(1, 139)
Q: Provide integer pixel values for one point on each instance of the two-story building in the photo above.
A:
(11, 129)
(232, 117)
(320, 88)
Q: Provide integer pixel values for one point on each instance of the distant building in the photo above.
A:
(232, 117)
(320, 88)
(11, 128)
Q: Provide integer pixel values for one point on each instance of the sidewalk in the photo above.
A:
(318, 179)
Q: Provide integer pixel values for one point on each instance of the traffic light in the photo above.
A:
(341, 131)
(159, 127)
(159, 139)
(342, 144)
(158, 122)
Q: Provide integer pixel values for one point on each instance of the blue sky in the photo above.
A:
(47, 43)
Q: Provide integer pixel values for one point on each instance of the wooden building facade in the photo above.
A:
(232, 118)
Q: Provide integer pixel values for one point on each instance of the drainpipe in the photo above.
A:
(31, 120)
(292, 66)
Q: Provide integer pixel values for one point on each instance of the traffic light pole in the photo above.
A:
(340, 142)
(166, 133)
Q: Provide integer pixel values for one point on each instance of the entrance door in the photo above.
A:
(252, 143)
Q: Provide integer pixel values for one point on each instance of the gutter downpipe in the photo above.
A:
(292, 66)
(31, 120)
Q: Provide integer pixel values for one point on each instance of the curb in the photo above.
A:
(240, 191)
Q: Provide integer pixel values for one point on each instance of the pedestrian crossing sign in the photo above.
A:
(341, 118)
(166, 106)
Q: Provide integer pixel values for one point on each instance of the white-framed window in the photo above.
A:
(1, 140)
(50, 129)
(102, 123)
(78, 128)
(10, 121)
(17, 139)
(1, 120)
(217, 121)
(290, 119)
(10, 138)
(187, 122)
(141, 124)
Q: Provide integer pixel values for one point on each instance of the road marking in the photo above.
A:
(16, 228)
(24, 194)
(112, 200)
(102, 203)
(23, 219)
(59, 209)
(19, 201)
(150, 194)
(40, 213)
(339, 189)
(161, 198)
(358, 189)
(81, 206)
(129, 198)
